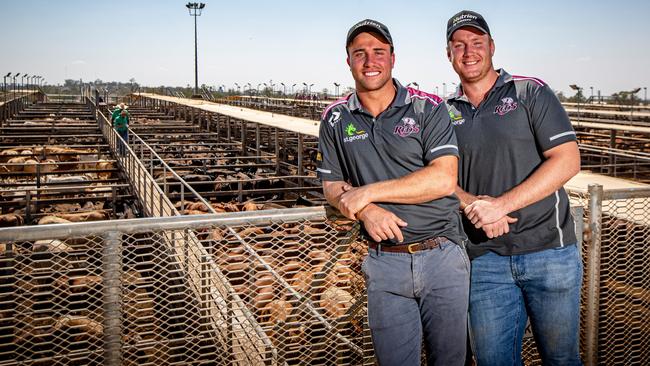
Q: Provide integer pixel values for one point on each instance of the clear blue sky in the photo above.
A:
(603, 44)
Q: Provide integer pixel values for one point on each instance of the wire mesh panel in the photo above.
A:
(284, 291)
(624, 313)
(301, 282)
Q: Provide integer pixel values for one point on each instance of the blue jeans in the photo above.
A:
(121, 147)
(506, 290)
(411, 295)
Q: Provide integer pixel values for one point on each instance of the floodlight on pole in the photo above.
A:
(195, 10)
(578, 90)
(336, 89)
(4, 86)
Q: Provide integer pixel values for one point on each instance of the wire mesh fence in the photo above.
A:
(615, 299)
(623, 279)
(255, 289)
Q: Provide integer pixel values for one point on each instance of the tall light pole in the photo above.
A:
(4, 86)
(578, 90)
(195, 10)
(444, 89)
(645, 95)
(336, 89)
(592, 94)
(284, 89)
(15, 76)
(292, 86)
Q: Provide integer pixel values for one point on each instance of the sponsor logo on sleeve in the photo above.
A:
(507, 105)
(334, 118)
(455, 116)
(353, 134)
(407, 127)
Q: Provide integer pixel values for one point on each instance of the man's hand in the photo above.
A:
(353, 200)
(486, 210)
(381, 224)
(499, 227)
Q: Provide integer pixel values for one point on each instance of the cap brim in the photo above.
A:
(463, 26)
(369, 29)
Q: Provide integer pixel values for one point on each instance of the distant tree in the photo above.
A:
(560, 95)
(578, 98)
(625, 98)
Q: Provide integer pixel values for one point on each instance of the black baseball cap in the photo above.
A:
(369, 25)
(466, 18)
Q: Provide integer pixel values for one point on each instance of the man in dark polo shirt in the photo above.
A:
(388, 157)
(517, 149)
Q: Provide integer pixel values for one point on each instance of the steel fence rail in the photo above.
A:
(130, 293)
(153, 199)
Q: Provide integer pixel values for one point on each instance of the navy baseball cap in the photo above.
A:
(466, 18)
(369, 25)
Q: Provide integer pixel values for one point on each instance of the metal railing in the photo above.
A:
(266, 287)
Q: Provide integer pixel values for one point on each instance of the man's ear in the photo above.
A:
(492, 48)
(448, 54)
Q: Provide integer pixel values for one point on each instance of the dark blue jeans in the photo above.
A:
(121, 147)
(506, 290)
(415, 295)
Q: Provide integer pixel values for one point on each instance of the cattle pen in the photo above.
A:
(209, 240)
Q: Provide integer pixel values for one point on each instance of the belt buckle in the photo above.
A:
(410, 249)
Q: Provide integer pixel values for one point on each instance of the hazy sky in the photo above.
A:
(604, 44)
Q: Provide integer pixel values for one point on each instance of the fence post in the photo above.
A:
(112, 262)
(593, 274)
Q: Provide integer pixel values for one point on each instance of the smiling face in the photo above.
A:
(470, 52)
(371, 62)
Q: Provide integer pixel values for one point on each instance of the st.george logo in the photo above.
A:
(354, 134)
(507, 105)
(407, 127)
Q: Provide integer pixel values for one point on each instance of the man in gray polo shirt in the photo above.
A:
(517, 149)
(388, 157)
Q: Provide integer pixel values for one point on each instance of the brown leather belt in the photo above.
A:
(408, 248)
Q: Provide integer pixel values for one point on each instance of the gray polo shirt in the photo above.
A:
(355, 147)
(501, 144)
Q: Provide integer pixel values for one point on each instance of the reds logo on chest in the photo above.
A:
(507, 105)
(406, 127)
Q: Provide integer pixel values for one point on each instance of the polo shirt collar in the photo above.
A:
(503, 78)
(402, 98)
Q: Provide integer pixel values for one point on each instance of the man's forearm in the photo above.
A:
(465, 198)
(551, 175)
(429, 183)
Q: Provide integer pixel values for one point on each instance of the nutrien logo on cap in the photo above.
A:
(508, 105)
(370, 23)
(407, 127)
(464, 18)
